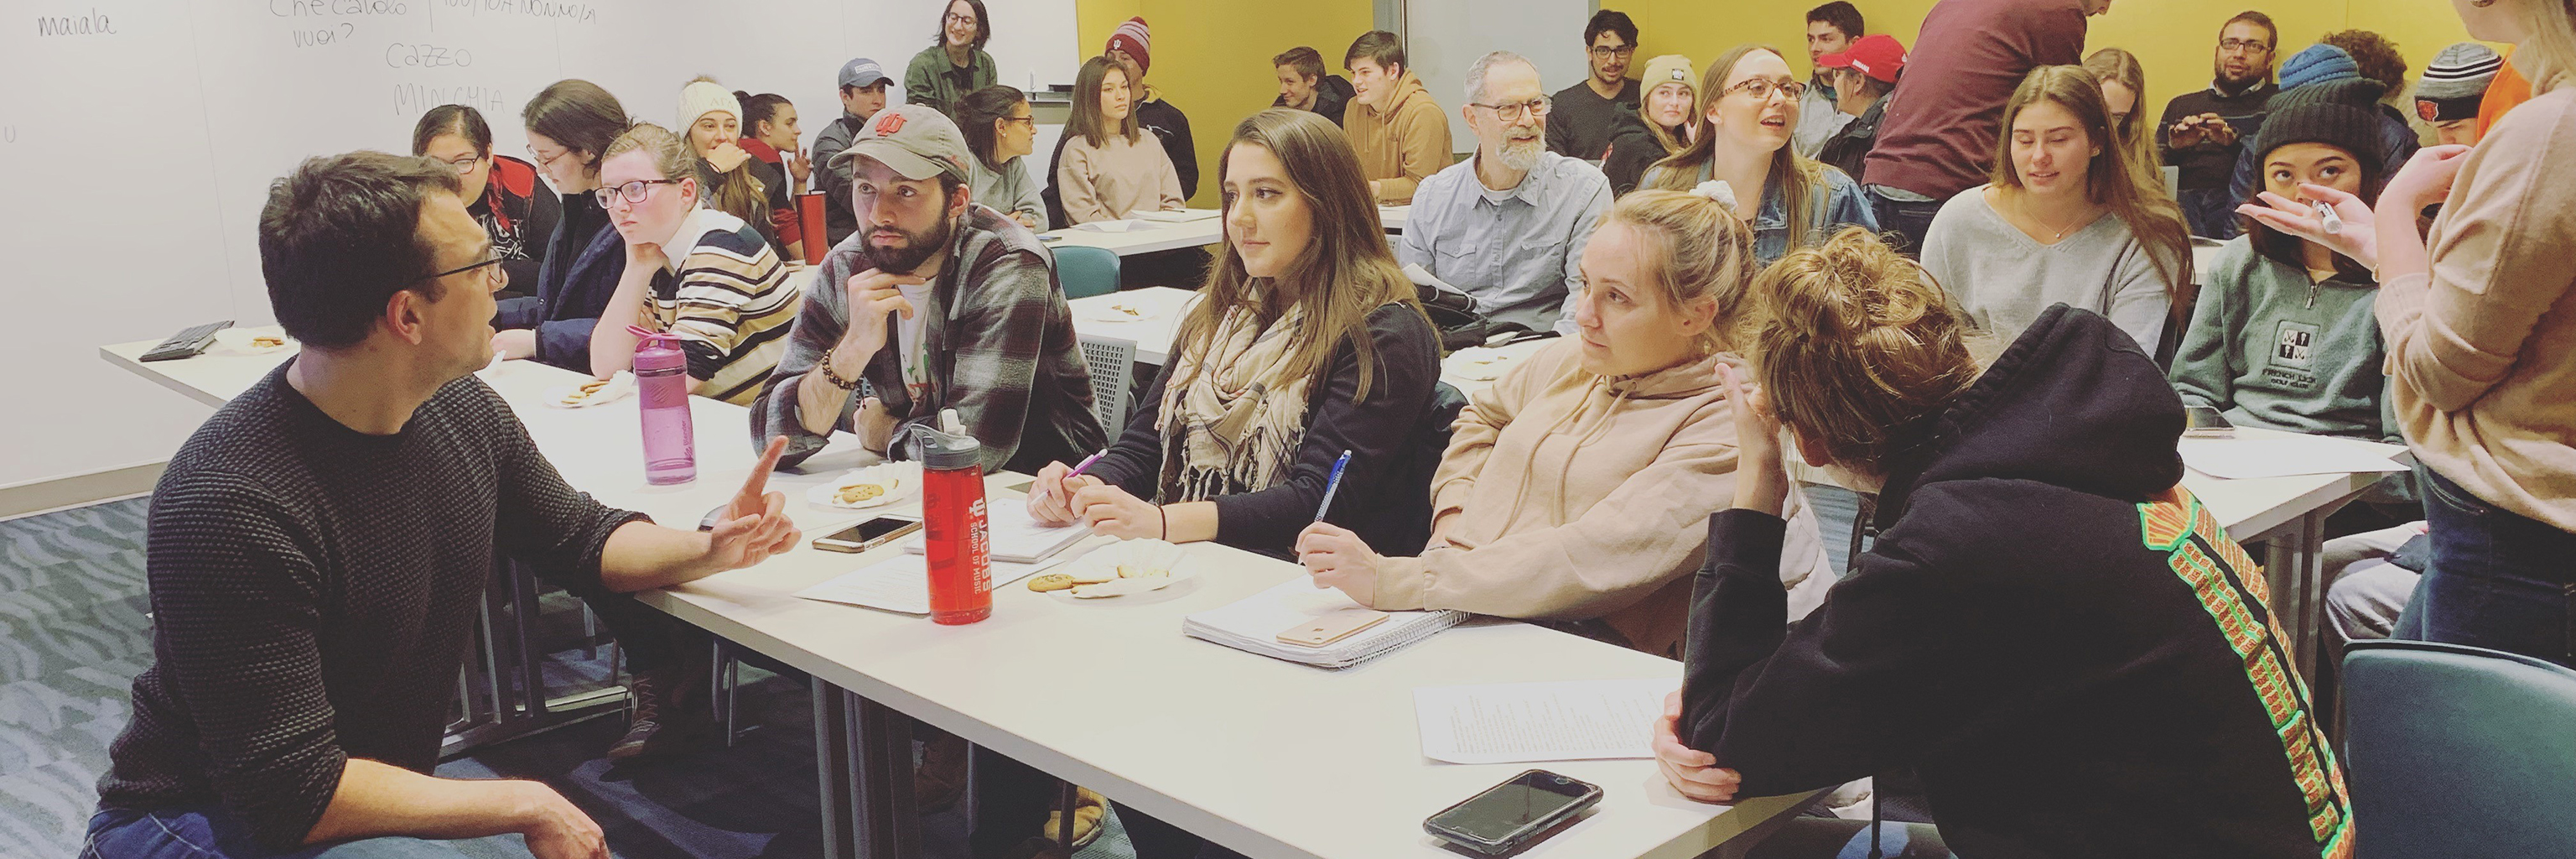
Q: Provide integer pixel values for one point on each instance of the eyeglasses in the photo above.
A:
(543, 159)
(1536, 107)
(1761, 89)
(491, 266)
(1031, 120)
(1603, 52)
(957, 18)
(631, 192)
(2243, 46)
(462, 164)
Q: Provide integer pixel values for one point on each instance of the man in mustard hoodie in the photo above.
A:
(1399, 132)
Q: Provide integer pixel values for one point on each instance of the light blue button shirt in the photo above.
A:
(1519, 252)
(1839, 203)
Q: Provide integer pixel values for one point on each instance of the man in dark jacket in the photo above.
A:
(1862, 76)
(2055, 634)
(1304, 85)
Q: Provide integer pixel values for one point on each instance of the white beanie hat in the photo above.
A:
(702, 97)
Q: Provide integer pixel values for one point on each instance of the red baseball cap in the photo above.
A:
(1878, 55)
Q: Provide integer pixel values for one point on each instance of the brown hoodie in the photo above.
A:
(1402, 144)
(1567, 496)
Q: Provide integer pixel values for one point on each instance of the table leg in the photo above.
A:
(2294, 561)
(835, 769)
(887, 824)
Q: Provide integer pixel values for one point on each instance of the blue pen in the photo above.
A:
(1333, 485)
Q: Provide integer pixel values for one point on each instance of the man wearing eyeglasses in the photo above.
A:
(2202, 131)
(1508, 225)
(319, 550)
(1590, 113)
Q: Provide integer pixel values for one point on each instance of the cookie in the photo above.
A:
(1051, 582)
(856, 493)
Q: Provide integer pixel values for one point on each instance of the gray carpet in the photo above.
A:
(73, 634)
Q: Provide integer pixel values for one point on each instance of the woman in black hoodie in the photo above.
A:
(2049, 629)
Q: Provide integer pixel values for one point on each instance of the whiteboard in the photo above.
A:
(143, 136)
(1444, 37)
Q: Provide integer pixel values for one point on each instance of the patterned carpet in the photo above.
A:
(73, 635)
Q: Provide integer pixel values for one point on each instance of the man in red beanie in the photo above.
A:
(1130, 45)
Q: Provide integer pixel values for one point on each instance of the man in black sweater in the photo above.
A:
(2202, 131)
(1587, 114)
(319, 547)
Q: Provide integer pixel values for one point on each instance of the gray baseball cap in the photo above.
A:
(861, 72)
(916, 140)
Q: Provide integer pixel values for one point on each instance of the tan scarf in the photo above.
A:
(1237, 424)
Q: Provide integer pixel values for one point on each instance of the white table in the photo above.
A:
(1110, 695)
(1145, 237)
(1150, 316)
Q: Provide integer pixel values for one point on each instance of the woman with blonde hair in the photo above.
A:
(2064, 219)
(2049, 627)
(1572, 489)
(695, 272)
(733, 181)
(1748, 110)
(2124, 84)
(2478, 319)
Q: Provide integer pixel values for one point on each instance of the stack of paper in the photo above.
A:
(1016, 537)
(1253, 625)
(900, 584)
(2286, 454)
(1176, 216)
(1514, 723)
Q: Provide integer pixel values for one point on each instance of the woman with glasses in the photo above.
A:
(691, 271)
(500, 191)
(569, 124)
(1111, 167)
(955, 63)
(1000, 131)
(1748, 108)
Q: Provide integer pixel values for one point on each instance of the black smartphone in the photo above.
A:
(869, 534)
(2206, 422)
(1514, 814)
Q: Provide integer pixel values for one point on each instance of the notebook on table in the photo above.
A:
(1018, 538)
(1253, 625)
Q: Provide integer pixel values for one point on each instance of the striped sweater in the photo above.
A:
(729, 301)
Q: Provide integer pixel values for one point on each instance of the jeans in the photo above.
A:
(1835, 838)
(2210, 212)
(212, 833)
(2497, 579)
(1837, 516)
(1903, 222)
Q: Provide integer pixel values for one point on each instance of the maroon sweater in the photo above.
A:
(1942, 120)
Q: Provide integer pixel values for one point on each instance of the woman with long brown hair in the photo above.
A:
(2124, 85)
(2063, 219)
(1748, 110)
(1309, 343)
(1109, 166)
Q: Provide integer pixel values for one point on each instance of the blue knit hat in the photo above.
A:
(2319, 62)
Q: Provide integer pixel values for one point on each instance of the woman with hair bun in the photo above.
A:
(2049, 627)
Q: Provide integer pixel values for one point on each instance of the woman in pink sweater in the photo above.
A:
(1577, 489)
(2479, 322)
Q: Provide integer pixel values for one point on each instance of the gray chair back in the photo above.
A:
(2458, 752)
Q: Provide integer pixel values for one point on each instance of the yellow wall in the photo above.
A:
(1212, 59)
(2173, 39)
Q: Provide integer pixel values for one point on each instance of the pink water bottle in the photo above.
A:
(955, 537)
(662, 390)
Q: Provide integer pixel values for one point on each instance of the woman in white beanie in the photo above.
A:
(736, 183)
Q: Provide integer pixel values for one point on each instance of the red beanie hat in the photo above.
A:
(1132, 38)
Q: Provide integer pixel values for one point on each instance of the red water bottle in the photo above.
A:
(955, 538)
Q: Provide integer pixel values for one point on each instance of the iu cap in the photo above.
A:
(916, 140)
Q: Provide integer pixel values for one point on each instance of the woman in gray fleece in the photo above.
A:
(2284, 336)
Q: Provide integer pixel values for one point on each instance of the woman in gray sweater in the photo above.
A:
(2063, 221)
(1001, 132)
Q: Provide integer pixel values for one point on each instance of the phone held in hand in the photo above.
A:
(869, 534)
(1515, 814)
(2206, 422)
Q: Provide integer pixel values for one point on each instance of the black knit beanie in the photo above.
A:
(2340, 113)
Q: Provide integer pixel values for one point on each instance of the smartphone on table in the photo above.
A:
(869, 534)
(2206, 422)
(1512, 815)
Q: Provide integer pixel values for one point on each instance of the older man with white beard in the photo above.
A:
(1507, 226)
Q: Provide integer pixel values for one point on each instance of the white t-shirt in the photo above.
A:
(909, 352)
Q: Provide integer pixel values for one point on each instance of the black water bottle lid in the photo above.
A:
(946, 451)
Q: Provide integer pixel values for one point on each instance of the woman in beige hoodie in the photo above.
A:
(1577, 489)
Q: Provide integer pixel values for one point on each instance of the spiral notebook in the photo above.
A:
(1253, 624)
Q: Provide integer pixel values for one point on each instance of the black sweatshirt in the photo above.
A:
(2209, 165)
(1173, 129)
(314, 590)
(2049, 629)
(1378, 432)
